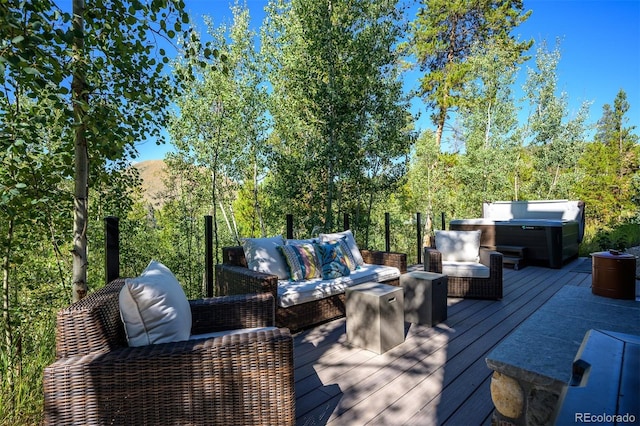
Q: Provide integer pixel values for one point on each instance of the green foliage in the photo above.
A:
(221, 122)
(119, 91)
(179, 225)
(555, 142)
(34, 206)
(621, 236)
(341, 125)
(107, 53)
(248, 210)
(430, 187)
(610, 168)
(128, 88)
(443, 37)
(21, 403)
(332, 136)
(489, 127)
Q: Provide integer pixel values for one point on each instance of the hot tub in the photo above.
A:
(549, 241)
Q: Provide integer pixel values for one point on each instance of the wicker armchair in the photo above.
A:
(479, 288)
(233, 277)
(239, 379)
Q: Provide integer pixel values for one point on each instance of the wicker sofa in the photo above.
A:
(238, 379)
(234, 277)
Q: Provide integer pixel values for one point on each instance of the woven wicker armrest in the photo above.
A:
(232, 312)
(241, 379)
(492, 259)
(489, 257)
(232, 279)
(432, 260)
(398, 260)
(101, 329)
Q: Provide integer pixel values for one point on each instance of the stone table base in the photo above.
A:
(533, 364)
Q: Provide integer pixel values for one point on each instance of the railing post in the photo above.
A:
(387, 234)
(289, 226)
(111, 248)
(419, 236)
(208, 255)
(443, 223)
(345, 222)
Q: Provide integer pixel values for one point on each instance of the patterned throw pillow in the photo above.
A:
(302, 261)
(351, 243)
(346, 251)
(333, 261)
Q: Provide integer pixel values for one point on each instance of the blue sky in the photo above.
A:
(599, 46)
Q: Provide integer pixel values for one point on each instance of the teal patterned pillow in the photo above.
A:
(350, 261)
(333, 261)
(351, 243)
(301, 260)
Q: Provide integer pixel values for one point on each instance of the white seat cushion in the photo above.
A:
(465, 269)
(295, 293)
(229, 332)
(459, 246)
(154, 308)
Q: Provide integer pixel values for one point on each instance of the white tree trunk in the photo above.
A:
(81, 191)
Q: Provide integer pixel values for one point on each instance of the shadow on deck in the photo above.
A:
(438, 376)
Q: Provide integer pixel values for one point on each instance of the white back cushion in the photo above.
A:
(459, 246)
(262, 255)
(154, 308)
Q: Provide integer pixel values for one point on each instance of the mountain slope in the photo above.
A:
(152, 173)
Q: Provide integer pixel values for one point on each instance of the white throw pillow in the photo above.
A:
(459, 246)
(351, 243)
(262, 255)
(154, 308)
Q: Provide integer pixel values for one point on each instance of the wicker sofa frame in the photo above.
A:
(230, 380)
(478, 288)
(233, 277)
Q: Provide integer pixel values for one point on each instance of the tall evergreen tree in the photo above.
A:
(442, 37)
(610, 167)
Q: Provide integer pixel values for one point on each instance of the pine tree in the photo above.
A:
(610, 167)
(442, 37)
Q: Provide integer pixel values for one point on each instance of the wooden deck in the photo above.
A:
(438, 376)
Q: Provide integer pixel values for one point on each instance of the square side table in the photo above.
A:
(425, 297)
(375, 316)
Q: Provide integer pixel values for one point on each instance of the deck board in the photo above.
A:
(437, 376)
